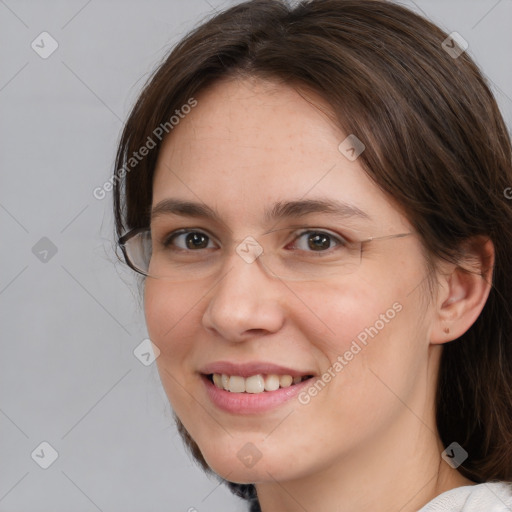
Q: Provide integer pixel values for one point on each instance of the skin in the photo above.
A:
(368, 440)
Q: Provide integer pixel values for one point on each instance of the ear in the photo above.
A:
(463, 291)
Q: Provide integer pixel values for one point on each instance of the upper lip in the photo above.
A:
(251, 368)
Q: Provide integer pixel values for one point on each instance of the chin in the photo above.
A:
(245, 462)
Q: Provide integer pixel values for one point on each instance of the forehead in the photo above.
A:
(249, 144)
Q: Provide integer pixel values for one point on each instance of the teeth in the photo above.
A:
(271, 382)
(236, 384)
(217, 380)
(255, 383)
(285, 381)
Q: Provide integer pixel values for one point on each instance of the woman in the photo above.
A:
(315, 198)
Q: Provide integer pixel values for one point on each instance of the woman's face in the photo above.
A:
(248, 148)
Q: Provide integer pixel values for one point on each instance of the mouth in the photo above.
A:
(254, 384)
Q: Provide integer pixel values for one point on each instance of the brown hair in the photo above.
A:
(436, 143)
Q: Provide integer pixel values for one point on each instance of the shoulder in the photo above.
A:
(490, 496)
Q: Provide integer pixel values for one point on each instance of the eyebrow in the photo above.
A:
(279, 210)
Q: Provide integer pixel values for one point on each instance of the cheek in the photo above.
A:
(168, 308)
(371, 336)
(171, 319)
(356, 310)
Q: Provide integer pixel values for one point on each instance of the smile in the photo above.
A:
(249, 397)
(255, 383)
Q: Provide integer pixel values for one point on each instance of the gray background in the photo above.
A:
(70, 323)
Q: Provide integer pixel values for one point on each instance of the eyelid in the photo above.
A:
(166, 239)
(338, 240)
(301, 228)
(329, 232)
(297, 232)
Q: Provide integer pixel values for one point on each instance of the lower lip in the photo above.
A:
(251, 403)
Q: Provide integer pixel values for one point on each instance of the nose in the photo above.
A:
(244, 302)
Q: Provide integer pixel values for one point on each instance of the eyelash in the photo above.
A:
(339, 240)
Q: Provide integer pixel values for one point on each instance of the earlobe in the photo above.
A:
(464, 292)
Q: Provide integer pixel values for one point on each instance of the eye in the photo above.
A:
(188, 240)
(318, 241)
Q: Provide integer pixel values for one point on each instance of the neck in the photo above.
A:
(374, 478)
(401, 470)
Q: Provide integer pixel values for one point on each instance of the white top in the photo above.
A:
(487, 497)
